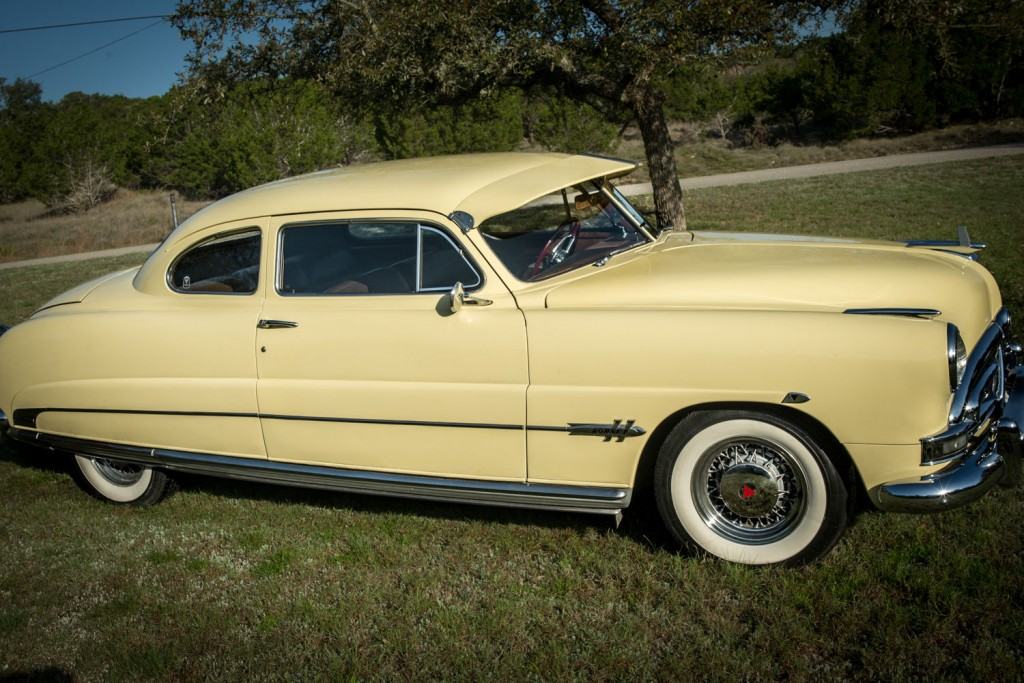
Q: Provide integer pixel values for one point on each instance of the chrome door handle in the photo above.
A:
(275, 324)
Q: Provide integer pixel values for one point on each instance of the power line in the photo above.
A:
(84, 23)
(96, 49)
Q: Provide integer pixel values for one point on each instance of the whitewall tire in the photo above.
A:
(122, 482)
(749, 488)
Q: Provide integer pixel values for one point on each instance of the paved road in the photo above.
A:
(724, 179)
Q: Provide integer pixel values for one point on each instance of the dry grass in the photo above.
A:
(29, 230)
(697, 155)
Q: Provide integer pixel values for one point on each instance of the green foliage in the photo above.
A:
(254, 134)
(865, 83)
(22, 121)
(492, 123)
(91, 131)
(563, 125)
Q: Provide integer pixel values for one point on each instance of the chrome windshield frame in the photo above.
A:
(625, 208)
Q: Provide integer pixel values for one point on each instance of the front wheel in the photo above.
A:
(123, 483)
(749, 488)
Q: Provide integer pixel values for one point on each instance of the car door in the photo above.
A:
(363, 364)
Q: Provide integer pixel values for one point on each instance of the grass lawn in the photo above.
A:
(242, 581)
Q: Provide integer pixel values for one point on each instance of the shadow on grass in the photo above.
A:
(640, 522)
(52, 673)
(34, 457)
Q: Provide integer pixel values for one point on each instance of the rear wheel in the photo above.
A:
(749, 488)
(123, 483)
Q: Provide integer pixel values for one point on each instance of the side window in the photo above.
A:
(348, 258)
(443, 263)
(225, 264)
(369, 258)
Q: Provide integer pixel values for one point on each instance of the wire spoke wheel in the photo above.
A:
(122, 482)
(749, 487)
(749, 490)
(118, 473)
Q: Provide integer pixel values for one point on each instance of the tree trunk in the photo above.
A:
(649, 108)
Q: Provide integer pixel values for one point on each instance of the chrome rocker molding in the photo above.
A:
(983, 444)
(591, 499)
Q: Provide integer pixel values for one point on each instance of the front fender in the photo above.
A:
(870, 379)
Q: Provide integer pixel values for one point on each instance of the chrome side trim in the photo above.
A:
(619, 430)
(908, 312)
(28, 418)
(276, 324)
(592, 499)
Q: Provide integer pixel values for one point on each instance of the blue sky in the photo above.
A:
(143, 65)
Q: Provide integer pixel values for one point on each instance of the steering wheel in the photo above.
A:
(558, 248)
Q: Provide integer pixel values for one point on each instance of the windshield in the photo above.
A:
(577, 226)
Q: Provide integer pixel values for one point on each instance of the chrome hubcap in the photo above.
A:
(118, 473)
(749, 490)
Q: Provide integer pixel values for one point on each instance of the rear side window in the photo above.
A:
(370, 258)
(224, 264)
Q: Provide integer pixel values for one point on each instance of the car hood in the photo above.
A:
(788, 273)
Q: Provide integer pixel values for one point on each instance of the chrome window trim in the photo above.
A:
(420, 225)
(419, 261)
(168, 277)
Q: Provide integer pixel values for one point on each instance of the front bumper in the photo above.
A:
(984, 439)
(996, 460)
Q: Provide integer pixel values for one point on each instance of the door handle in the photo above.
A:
(275, 324)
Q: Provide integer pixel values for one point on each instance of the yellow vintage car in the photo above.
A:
(507, 329)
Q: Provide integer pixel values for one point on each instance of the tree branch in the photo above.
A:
(606, 12)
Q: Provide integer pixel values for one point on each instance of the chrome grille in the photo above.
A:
(979, 398)
(982, 387)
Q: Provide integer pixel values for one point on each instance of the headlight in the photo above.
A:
(956, 353)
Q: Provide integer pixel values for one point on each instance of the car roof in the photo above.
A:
(481, 185)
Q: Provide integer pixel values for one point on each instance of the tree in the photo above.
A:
(253, 133)
(611, 54)
(978, 47)
(22, 120)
